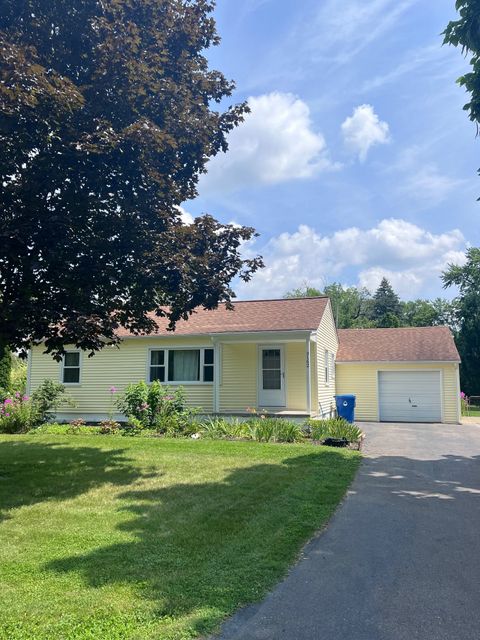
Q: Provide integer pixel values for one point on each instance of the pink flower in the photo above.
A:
(463, 395)
(25, 399)
(17, 395)
(8, 401)
(113, 389)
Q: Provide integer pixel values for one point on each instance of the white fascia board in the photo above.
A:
(261, 336)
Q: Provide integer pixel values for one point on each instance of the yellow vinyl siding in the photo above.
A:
(362, 380)
(296, 376)
(115, 367)
(239, 367)
(326, 340)
(238, 383)
(129, 363)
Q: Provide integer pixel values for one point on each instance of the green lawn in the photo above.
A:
(473, 410)
(106, 538)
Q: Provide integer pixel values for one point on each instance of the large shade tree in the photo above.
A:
(467, 279)
(108, 114)
(465, 33)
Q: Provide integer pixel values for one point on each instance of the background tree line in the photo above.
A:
(358, 308)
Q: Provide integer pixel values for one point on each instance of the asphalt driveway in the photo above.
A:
(400, 560)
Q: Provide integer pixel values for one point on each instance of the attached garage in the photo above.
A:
(400, 375)
(410, 396)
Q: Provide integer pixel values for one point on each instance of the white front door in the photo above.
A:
(271, 378)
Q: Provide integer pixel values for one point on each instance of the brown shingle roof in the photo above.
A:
(412, 344)
(252, 315)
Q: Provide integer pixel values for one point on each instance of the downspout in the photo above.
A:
(308, 372)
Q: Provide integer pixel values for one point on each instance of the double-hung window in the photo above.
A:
(180, 366)
(71, 367)
(332, 366)
(157, 365)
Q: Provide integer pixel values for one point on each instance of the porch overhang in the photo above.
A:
(265, 339)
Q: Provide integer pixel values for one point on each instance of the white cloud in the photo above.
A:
(185, 217)
(364, 129)
(411, 257)
(432, 55)
(420, 179)
(276, 143)
(343, 28)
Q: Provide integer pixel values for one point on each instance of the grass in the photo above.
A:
(117, 538)
(473, 410)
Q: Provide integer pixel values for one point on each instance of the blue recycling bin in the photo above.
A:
(346, 406)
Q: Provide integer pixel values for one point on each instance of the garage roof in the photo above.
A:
(411, 344)
(295, 314)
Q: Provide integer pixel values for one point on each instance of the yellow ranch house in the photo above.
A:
(282, 356)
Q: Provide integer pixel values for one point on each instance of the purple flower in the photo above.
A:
(168, 398)
(25, 399)
(463, 395)
(8, 415)
(8, 401)
(113, 389)
(17, 395)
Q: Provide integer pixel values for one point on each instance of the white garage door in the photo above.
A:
(410, 396)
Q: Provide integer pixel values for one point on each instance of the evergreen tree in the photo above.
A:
(386, 306)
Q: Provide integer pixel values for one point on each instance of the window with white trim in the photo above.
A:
(71, 367)
(332, 366)
(181, 365)
(157, 365)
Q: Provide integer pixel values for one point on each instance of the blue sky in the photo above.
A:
(357, 160)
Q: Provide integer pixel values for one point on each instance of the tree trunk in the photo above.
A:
(5, 365)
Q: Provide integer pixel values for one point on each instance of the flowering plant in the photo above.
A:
(15, 414)
(155, 407)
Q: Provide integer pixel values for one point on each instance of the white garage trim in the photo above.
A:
(405, 372)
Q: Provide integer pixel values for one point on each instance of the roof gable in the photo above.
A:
(409, 344)
(291, 314)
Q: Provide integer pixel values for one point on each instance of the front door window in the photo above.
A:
(271, 391)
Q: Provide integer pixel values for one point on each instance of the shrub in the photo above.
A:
(157, 407)
(334, 428)
(18, 376)
(16, 380)
(49, 396)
